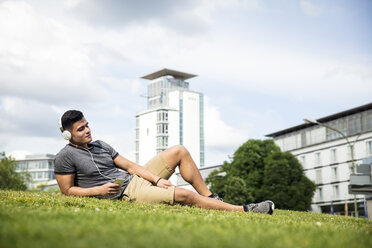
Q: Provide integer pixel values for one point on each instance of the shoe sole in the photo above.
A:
(272, 207)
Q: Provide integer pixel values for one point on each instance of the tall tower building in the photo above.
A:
(174, 116)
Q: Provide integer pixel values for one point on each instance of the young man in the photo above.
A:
(86, 168)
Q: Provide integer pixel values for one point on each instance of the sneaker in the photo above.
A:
(216, 197)
(266, 207)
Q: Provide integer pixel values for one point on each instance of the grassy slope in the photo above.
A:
(52, 220)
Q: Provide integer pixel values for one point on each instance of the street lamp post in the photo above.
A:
(351, 145)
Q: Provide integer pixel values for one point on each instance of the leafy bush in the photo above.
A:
(260, 171)
(9, 178)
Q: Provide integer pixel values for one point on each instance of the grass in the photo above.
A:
(29, 219)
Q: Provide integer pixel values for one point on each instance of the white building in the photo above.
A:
(174, 116)
(326, 157)
(40, 167)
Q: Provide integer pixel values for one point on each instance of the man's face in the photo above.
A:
(80, 133)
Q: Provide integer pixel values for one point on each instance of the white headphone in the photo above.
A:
(65, 133)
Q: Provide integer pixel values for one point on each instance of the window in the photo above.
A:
(165, 116)
(369, 147)
(181, 122)
(162, 116)
(367, 121)
(333, 156)
(303, 139)
(354, 125)
(303, 161)
(350, 165)
(336, 192)
(162, 141)
(137, 158)
(317, 158)
(318, 176)
(349, 151)
(320, 194)
(162, 128)
(334, 173)
(340, 125)
(165, 141)
(137, 145)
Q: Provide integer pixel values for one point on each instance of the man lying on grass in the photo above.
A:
(86, 168)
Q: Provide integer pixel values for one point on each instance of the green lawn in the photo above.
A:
(52, 220)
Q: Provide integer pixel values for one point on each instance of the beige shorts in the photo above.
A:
(143, 191)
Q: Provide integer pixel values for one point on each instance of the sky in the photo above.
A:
(262, 65)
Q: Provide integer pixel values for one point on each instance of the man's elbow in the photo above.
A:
(64, 191)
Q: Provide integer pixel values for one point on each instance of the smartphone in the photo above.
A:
(119, 181)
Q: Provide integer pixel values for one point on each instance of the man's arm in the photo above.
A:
(66, 184)
(134, 168)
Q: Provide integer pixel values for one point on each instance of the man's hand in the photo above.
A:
(109, 189)
(163, 183)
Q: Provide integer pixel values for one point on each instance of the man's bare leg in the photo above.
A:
(180, 156)
(188, 197)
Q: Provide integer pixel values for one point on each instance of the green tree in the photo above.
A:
(9, 178)
(260, 171)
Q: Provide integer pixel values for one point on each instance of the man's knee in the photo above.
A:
(184, 196)
(179, 150)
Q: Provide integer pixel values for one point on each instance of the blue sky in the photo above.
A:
(262, 65)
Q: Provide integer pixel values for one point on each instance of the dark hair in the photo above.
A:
(70, 117)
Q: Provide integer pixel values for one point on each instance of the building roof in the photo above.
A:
(167, 72)
(322, 120)
(37, 157)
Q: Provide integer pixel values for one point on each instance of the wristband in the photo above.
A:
(156, 183)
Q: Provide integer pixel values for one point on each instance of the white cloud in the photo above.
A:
(123, 85)
(272, 70)
(27, 117)
(218, 134)
(41, 58)
(221, 139)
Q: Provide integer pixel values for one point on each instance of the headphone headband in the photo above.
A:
(60, 123)
(65, 133)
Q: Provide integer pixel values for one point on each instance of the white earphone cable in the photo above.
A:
(91, 155)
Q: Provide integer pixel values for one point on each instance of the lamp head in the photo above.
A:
(307, 120)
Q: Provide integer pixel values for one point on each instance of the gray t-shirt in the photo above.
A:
(78, 161)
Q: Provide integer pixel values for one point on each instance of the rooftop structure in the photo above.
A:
(168, 72)
(322, 120)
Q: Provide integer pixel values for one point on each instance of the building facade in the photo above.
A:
(174, 116)
(40, 167)
(326, 155)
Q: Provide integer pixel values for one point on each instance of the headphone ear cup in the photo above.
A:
(66, 135)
